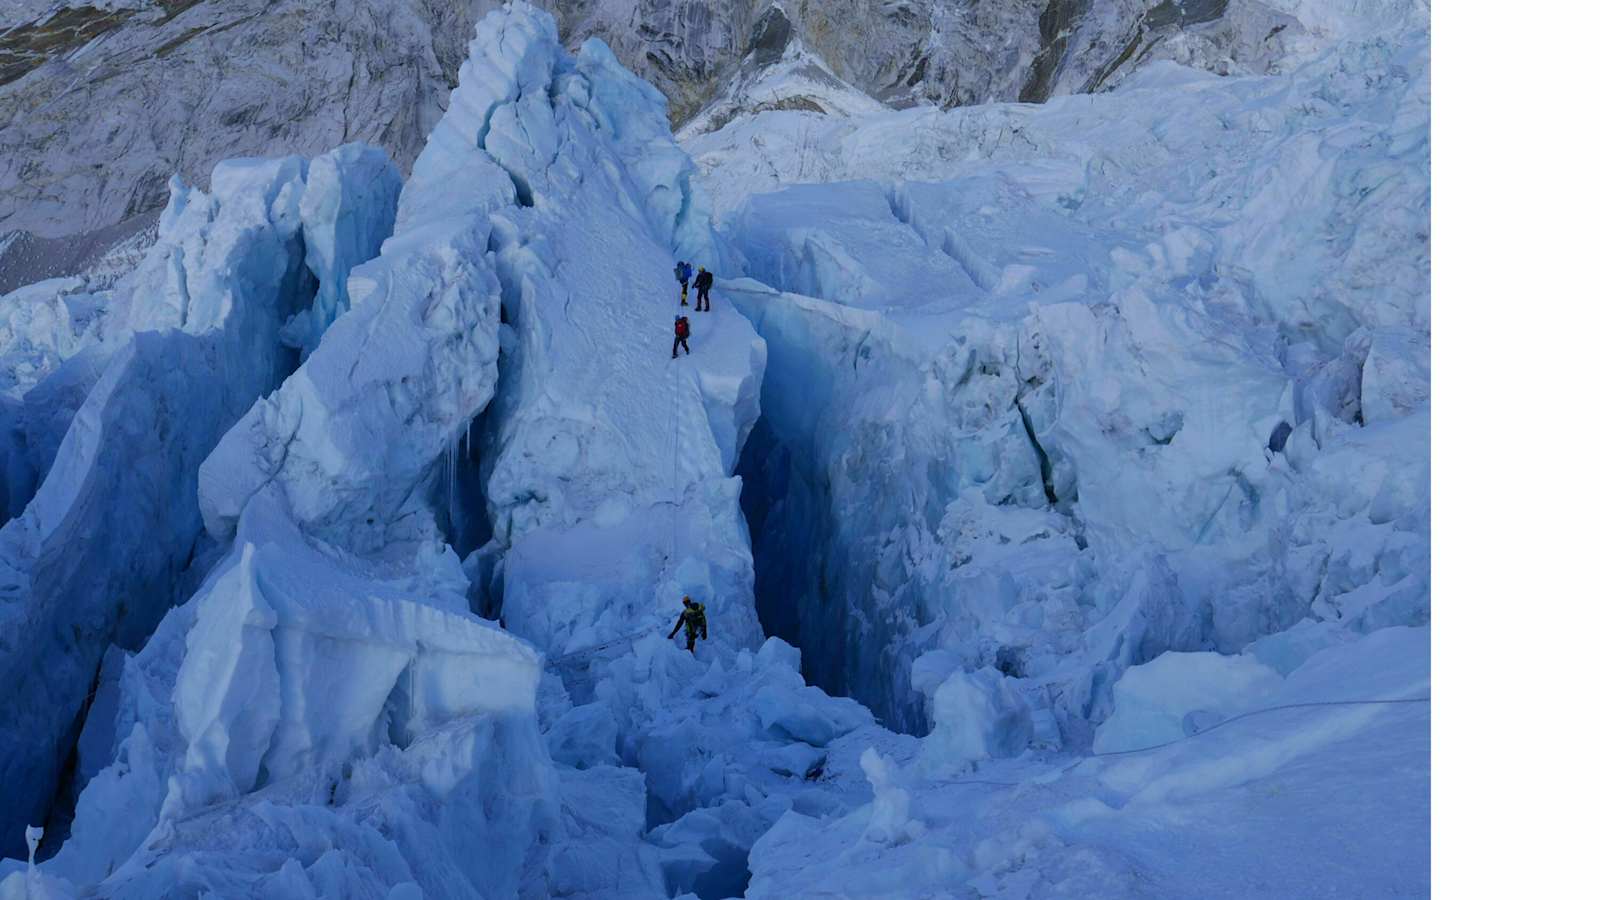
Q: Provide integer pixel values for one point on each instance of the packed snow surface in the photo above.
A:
(1055, 480)
(1287, 803)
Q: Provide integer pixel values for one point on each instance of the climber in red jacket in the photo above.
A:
(681, 329)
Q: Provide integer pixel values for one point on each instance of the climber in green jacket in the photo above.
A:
(693, 615)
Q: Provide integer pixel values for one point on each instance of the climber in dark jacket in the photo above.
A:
(694, 616)
(682, 271)
(680, 328)
(702, 291)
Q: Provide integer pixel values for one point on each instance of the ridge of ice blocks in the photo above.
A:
(604, 468)
(151, 372)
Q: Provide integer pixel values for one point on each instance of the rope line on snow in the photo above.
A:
(677, 500)
(1207, 730)
(1256, 712)
(589, 651)
(677, 497)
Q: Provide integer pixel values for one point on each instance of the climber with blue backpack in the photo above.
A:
(683, 270)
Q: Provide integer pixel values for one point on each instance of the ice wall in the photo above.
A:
(323, 720)
(1062, 497)
(820, 504)
(51, 356)
(349, 206)
(188, 341)
(1060, 388)
(406, 370)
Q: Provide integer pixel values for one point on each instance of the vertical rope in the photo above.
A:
(677, 382)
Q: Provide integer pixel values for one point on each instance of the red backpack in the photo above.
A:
(682, 326)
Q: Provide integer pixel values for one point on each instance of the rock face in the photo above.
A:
(93, 120)
(102, 100)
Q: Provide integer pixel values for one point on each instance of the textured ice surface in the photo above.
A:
(496, 380)
(188, 340)
(1061, 387)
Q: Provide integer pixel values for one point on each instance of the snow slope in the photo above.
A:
(1301, 801)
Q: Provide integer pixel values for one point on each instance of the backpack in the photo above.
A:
(681, 327)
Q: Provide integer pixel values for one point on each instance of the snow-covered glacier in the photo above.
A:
(1055, 478)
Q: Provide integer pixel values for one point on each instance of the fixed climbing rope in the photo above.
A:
(590, 651)
(1207, 730)
(677, 391)
(1256, 712)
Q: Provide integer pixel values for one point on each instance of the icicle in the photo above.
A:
(450, 487)
(34, 834)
